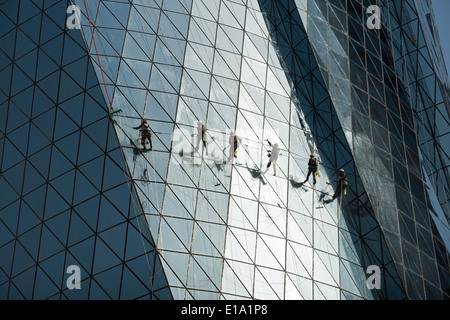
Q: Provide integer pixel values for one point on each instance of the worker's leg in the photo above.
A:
(307, 176)
(143, 140)
(338, 191)
(149, 137)
(268, 165)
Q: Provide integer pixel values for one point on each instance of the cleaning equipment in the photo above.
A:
(109, 115)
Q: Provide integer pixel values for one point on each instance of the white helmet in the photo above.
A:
(276, 145)
(199, 122)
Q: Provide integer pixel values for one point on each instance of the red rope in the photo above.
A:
(96, 50)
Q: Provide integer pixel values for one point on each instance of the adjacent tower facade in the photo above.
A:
(187, 219)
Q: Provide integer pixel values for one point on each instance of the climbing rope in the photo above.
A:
(113, 112)
(98, 56)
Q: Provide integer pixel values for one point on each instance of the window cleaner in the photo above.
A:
(146, 134)
(342, 184)
(313, 165)
(234, 141)
(202, 135)
(273, 157)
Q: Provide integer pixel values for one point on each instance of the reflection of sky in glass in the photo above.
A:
(441, 10)
(438, 215)
(272, 231)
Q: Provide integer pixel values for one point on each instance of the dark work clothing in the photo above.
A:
(201, 132)
(342, 183)
(313, 164)
(314, 176)
(202, 136)
(274, 167)
(235, 142)
(143, 127)
(146, 134)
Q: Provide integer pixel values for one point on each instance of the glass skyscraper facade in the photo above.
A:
(180, 221)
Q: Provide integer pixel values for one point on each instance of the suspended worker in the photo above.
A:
(342, 183)
(273, 157)
(146, 134)
(234, 141)
(313, 165)
(202, 135)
